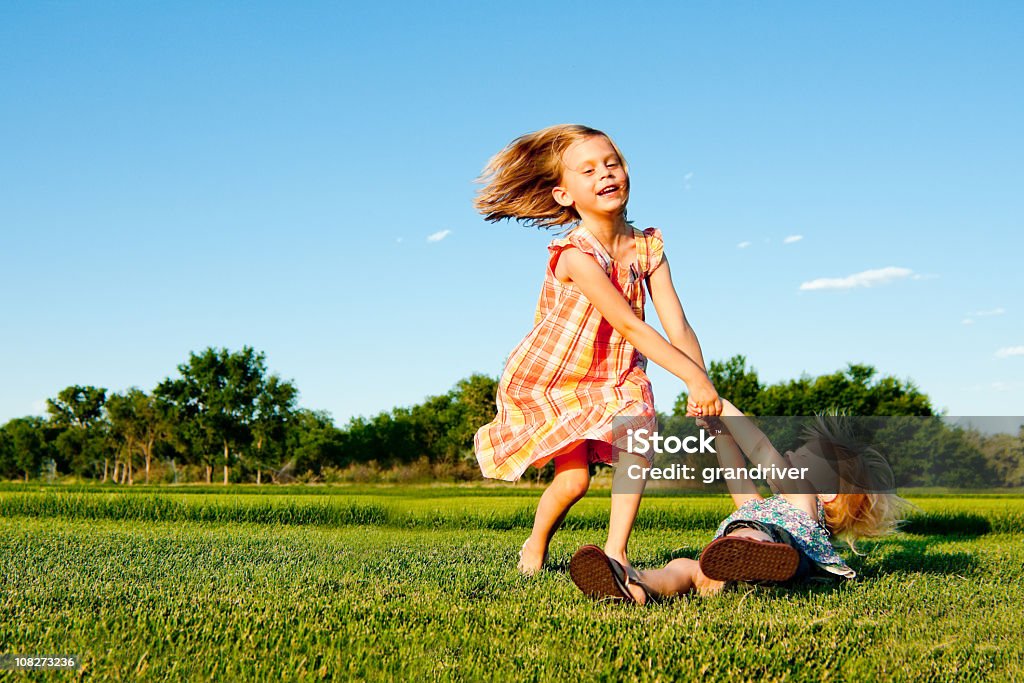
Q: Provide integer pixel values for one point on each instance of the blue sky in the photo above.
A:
(183, 175)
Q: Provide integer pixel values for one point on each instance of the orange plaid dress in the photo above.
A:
(573, 377)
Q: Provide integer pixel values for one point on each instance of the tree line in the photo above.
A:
(224, 411)
(921, 448)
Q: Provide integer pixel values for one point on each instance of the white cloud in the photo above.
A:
(438, 236)
(743, 245)
(867, 278)
(1008, 351)
(792, 238)
(969, 320)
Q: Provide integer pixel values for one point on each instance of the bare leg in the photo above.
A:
(624, 507)
(678, 577)
(571, 481)
(682, 575)
(753, 534)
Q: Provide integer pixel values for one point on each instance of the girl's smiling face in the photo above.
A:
(594, 179)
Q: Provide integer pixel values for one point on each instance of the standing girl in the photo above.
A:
(577, 382)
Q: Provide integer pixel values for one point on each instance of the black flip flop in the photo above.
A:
(734, 558)
(599, 576)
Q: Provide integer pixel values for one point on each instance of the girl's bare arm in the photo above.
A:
(759, 450)
(731, 457)
(670, 313)
(592, 280)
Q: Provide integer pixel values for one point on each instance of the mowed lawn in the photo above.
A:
(414, 583)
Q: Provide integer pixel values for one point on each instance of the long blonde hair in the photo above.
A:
(518, 180)
(866, 504)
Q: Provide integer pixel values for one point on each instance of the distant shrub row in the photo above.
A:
(336, 513)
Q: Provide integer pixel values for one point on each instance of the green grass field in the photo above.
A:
(413, 583)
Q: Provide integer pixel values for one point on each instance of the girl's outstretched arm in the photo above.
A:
(670, 313)
(751, 440)
(731, 457)
(759, 450)
(592, 280)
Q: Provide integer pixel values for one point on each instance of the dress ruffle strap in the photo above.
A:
(653, 253)
(579, 240)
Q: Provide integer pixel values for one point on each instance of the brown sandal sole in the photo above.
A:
(744, 559)
(594, 573)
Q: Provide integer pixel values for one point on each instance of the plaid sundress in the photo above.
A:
(573, 377)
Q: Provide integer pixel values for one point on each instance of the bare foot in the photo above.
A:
(621, 559)
(531, 560)
(707, 586)
(637, 592)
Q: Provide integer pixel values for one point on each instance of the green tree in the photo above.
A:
(395, 437)
(275, 409)
(313, 442)
(477, 407)
(78, 406)
(82, 432)
(137, 422)
(125, 430)
(853, 391)
(8, 465)
(357, 442)
(734, 381)
(948, 458)
(432, 429)
(214, 403)
(441, 428)
(27, 443)
(86, 451)
(1004, 454)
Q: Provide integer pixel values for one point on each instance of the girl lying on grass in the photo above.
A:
(848, 494)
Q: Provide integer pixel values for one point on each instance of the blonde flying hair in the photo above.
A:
(518, 180)
(866, 504)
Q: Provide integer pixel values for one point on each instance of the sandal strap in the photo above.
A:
(633, 578)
